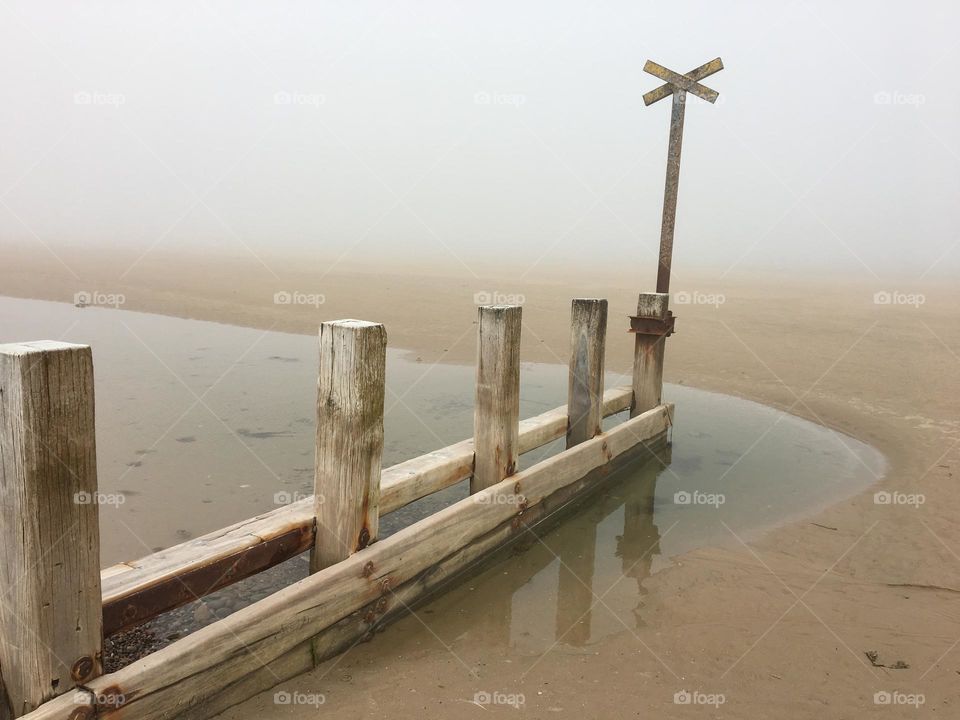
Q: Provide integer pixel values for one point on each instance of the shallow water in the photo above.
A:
(200, 425)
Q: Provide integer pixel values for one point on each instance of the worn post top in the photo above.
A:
(37, 346)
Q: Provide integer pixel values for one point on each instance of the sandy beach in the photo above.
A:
(786, 625)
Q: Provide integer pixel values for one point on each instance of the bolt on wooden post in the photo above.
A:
(50, 607)
(588, 330)
(496, 415)
(350, 393)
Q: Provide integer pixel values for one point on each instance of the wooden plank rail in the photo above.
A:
(138, 590)
(229, 655)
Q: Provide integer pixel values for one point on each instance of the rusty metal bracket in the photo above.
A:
(653, 325)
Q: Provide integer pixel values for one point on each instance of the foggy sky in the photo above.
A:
(496, 131)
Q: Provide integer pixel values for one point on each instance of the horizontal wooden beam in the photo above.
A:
(666, 90)
(136, 591)
(178, 680)
(681, 81)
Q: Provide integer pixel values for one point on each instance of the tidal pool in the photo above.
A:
(200, 425)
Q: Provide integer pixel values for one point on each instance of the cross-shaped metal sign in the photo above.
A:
(678, 86)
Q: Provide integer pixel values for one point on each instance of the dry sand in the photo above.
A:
(781, 627)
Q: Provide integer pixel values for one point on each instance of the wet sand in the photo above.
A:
(781, 625)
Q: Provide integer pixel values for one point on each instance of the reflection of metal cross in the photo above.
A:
(678, 86)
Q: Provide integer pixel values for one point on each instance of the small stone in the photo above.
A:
(202, 613)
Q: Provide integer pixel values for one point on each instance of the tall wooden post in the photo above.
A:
(350, 392)
(652, 324)
(51, 632)
(496, 414)
(677, 86)
(588, 330)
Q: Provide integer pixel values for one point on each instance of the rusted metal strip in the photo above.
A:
(681, 81)
(666, 90)
(652, 325)
(172, 592)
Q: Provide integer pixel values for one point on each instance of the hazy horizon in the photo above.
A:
(503, 133)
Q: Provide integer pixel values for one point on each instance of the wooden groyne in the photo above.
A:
(58, 604)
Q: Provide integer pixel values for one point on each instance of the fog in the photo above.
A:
(463, 133)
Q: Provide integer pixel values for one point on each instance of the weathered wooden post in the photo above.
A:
(50, 605)
(588, 330)
(350, 392)
(652, 324)
(496, 414)
(676, 86)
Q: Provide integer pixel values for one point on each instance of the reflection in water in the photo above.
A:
(640, 541)
(576, 579)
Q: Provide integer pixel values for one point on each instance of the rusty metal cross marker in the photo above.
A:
(678, 86)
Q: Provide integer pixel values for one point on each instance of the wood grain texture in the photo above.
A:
(50, 611)
(648, 356)
(181, 677)
(350, 390)
(496, 413)
(125, 584)
(588, 333)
